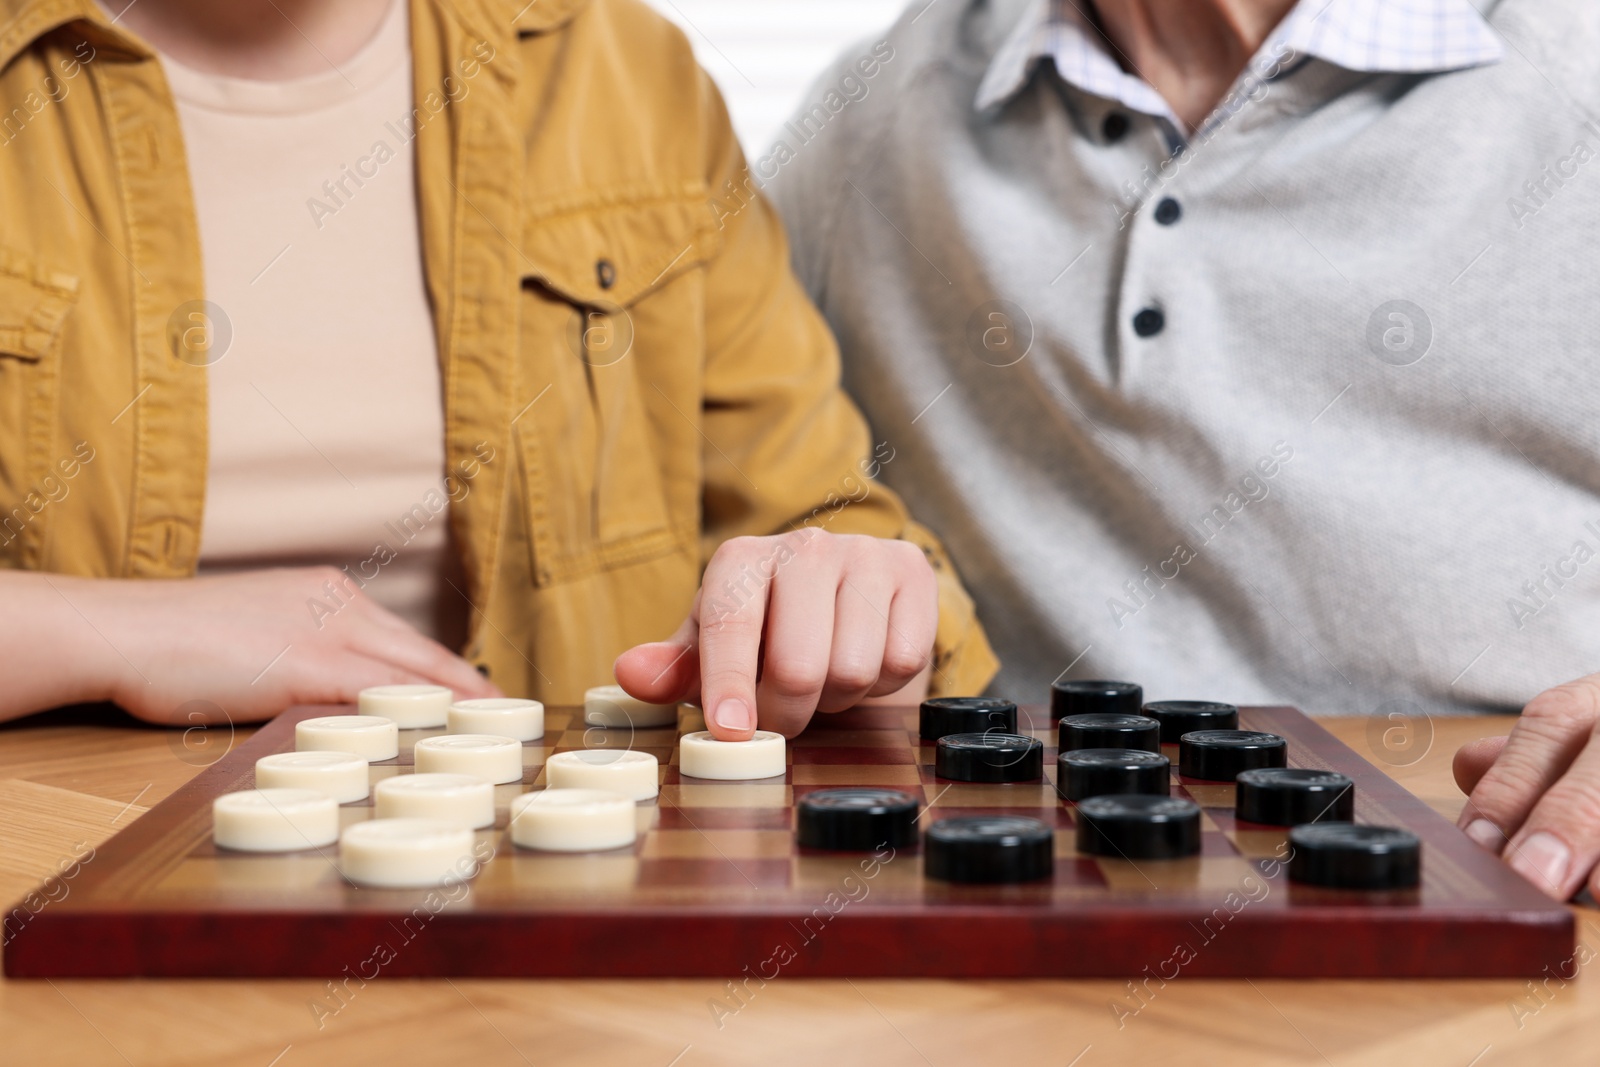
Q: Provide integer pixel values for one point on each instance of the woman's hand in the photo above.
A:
(249, 644)
(793, 624)
(1534, 797)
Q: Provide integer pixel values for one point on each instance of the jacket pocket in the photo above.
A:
(34, 302)
(609, 250)
(615, 327)
(34, 305)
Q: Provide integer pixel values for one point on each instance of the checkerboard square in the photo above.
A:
(727, 795)
(718, 844)
(860, 756)
(740, 874)
(901, 777)
(733, 818)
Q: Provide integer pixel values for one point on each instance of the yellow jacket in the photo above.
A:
(631, 374)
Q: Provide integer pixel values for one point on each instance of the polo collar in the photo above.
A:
(1391, 36)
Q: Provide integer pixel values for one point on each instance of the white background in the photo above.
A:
(764, 54)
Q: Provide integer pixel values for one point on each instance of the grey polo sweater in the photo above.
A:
(1328, 438)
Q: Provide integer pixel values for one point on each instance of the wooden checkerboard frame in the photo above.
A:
(716, 886)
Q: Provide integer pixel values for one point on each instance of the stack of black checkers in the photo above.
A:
(943, 716)
(856, 820)
(989, 757)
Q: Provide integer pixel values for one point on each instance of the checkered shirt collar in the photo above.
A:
(1395, 36)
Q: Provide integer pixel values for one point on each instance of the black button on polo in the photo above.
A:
(1149, 322)
(1168, 211)
(605, 272)
(1114, 126)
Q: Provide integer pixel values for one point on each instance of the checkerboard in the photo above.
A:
(716, 886)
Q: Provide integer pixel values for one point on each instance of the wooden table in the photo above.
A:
(79, 777)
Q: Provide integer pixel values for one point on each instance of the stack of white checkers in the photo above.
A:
(423, 832)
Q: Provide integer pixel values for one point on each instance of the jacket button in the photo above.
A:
(605, 273)
(1149, 322)
(1114, 127)
(1168, 211)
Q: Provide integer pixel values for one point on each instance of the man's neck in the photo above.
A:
(264, 40)
(1190, 51)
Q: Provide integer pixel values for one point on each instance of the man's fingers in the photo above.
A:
(860, 628)
(1547, 738)
(1560, 841)
(1473, 760)
(664, 672)
(733, 607)
(800, 623)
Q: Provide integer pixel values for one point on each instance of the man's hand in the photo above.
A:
(793, 624)
(250, 644)
(1534, 797)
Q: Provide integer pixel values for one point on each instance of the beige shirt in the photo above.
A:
(326, 420)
